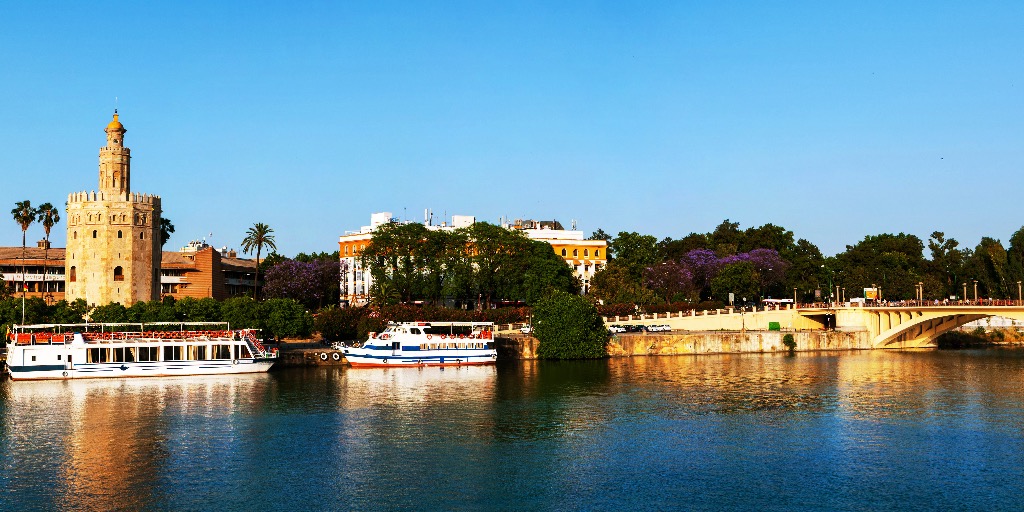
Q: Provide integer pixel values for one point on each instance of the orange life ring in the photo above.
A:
(462, 336)
(429, 336)
(443, 336)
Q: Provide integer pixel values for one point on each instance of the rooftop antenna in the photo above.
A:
(115, 104)
(573, 224)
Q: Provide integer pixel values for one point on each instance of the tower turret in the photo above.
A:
(115, 162)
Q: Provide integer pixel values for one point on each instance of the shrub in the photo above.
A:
(789, 342)
(569, 327)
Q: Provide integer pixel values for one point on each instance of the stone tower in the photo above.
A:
(113, 252)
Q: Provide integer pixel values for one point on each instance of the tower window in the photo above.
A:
(94, 233)
(142, 236)
(73, 274)
(74, 234)
(118, 274)
(119, 233)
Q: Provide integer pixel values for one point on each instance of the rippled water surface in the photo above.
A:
(845, 431)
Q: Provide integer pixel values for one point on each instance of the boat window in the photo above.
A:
(172, 353)
(243, 352)
(33, 359)
(147, 353)
(222, 352)
(396, 345)
(197, 352)
(96, 355)
(415, 330)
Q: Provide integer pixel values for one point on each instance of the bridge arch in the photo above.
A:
(916, 328)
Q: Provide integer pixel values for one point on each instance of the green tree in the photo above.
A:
(258, 236)
(197, 310)
(48, 216)
(113, 312)
(64, 312)
(740, 278)
(946, 264)
(614, 285)
(24, 214)
(241, 313)
(398, 253)
(635, 252)
(338, 324)
(496, 259)
(166, 228)
(384, 293)
(988, 265)
(726, 239)
(568, 327)
(545, 271)
(285, 318)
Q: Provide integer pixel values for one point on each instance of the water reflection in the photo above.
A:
(709, 431)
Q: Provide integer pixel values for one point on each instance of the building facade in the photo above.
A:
(113, 234)
(197, 270)
(586, 257)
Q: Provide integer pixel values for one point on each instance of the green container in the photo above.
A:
(774, 326)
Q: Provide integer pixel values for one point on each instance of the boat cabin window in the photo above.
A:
(242, 352)
(172, 353)
(96, 355)
(415, 330)
(197, 352)
(396, 345)
(124, 355)
(222, 351)
(147, 353)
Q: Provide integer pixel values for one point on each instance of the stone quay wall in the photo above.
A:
(711, 342)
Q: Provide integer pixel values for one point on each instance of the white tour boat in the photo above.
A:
(79, 351)
(426, 344)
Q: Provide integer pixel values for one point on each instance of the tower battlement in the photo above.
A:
(87, 196)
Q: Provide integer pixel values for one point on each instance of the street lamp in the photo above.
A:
(964, 296)
(1018, 293)
(975, 291)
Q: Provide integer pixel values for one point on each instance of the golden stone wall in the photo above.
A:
(113, 251)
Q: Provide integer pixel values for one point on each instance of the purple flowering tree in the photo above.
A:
(669, 279)
(314, 284)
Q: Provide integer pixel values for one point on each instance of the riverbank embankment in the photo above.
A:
(710, 342)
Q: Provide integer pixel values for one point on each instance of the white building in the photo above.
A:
(585, 256)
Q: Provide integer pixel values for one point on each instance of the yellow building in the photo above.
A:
(113, 250)
(586, 257)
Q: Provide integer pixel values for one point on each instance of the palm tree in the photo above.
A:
(24, 214)
(257, 236)
(48, 216)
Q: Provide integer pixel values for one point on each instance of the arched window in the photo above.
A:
(563, 253)
(575, 253)
(73, 275)
(346, 250)
(118, 274)
(586, 253)
(597, 253)
(119, 233)
(74, 234)
(94, 233)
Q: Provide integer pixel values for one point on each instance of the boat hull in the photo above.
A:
(374, 359)
(139, 369)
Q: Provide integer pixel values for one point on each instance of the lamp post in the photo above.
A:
(975, 291)
(1018, 293)
(920, 292)
(964, 296)
(794, 294)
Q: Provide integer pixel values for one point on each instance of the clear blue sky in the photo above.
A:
(835, 120)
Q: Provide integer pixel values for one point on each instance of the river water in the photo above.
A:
(924, 430)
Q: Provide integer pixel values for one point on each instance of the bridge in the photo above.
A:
(907, 325)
